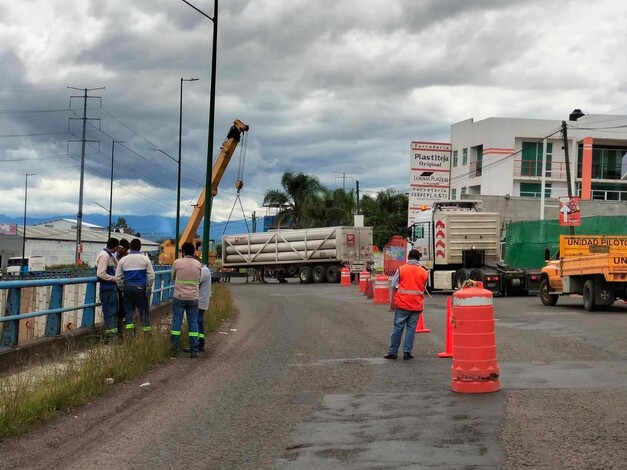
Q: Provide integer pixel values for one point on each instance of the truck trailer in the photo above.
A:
(594, 267)
(459, 241)
(312, 255)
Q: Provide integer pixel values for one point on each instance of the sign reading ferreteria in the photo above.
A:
(430, 174)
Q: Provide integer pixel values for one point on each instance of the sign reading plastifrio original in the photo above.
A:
(430, 172)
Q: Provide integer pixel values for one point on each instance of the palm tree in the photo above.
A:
(335, 207)
(297, 190)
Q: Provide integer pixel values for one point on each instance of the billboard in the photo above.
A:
(8, 229)
(429, 175)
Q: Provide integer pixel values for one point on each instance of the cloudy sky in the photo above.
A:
(334, 88)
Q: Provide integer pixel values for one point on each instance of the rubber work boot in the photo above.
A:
(390, 356)
(407, 355)
(201, 345)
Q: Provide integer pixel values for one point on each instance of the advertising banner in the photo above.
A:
(8, 229)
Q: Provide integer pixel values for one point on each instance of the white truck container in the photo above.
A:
(312, 255)
(459, 241)
(31, 264)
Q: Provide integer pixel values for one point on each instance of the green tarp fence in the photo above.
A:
(527, 240)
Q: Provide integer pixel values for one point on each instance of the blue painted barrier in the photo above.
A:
(10, 318)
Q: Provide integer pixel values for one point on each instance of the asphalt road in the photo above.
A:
(297, 380)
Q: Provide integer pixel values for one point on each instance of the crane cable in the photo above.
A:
(239, 183)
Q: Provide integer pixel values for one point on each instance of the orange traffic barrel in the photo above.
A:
(381, 289)
(475, 368)
(363, 275)
(345, 277)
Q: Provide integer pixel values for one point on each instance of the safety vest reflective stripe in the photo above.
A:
(472, 301)
(190, 282)
(193, 334)
(111, 330)
(146, 328)
(130, 326)
(201, 336)
(175, 333)
(411, 292)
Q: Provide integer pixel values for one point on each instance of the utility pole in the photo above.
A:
(567, 161)
(254, 219)
(357, 192)
(79, 215)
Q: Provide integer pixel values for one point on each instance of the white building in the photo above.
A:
(58, 246)
(70, 224)
(504, 156)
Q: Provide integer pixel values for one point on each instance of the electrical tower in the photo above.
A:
(83, 140)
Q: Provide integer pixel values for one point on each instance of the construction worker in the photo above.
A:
(105, 271)
(135, 278)
(186, 273)
(408, 284)
(123, 249)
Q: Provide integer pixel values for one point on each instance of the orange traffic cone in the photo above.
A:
(346, 277)
(449, 332)
(420, 327)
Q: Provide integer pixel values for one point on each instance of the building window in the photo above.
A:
(478, 160)
(454, 158)
(534, 190)
(531, 164)
(463, 190)
(606, 162)
(453, 194)
(465, 156)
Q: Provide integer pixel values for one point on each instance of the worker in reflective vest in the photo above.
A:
(186, 273)
(408, 284)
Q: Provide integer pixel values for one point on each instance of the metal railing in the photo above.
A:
(12, 303)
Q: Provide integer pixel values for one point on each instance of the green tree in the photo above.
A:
(386, 213)
(334, 207)
(298, 191)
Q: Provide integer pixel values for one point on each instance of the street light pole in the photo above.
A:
(212, 99)
(24, 227)
(178, 184)
(113, 142)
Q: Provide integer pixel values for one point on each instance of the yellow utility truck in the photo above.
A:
(592, 266)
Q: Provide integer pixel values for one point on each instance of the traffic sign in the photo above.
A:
(569, 211)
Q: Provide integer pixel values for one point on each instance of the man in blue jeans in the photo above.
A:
(409, 284)
(135, 277)
(186, 275)
(105, 271)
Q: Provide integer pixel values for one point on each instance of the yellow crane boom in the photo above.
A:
(224, 157)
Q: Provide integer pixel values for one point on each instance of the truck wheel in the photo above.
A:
(333, 274)
(305, 275)
(606, 295)
(588, 295)
(545, 297)
(319, 274)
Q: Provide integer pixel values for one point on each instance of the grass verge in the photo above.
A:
(77, 377)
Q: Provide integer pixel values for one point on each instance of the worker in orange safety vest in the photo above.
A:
(409, 284)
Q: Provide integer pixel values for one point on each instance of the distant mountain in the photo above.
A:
(152, 227)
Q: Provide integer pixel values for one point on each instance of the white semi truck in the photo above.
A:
(312, 255)
(458, 241)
